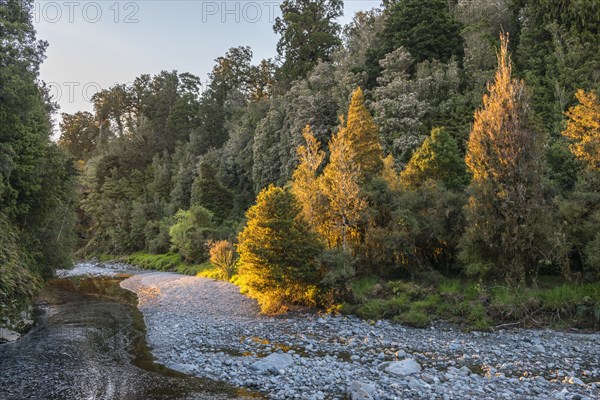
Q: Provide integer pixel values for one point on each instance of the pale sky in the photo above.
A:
(95, 44)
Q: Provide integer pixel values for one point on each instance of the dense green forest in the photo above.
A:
(37, 177)
(427, 144)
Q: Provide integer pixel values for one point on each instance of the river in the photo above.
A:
(89, 343)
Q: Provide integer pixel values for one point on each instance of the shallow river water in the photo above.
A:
(89, 343)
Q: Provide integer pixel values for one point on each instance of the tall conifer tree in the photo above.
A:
(505, 157)
(363, 137)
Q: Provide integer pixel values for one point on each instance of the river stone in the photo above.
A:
(361, 391)
(6, 335)
(575, 381)
(454, 346)
(537, 348)
(276, 360)
(414, 384)
(185, 368)
(403, 368)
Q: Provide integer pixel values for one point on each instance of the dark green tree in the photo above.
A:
(581, 209)
(79, 134)
(36, 177)
(557, 54)
(238, 156)
(191, 233)
(425, 28)
(231, 84)
(208, 192)
(307, 102)
(309, 33)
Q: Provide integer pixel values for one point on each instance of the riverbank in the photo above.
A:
(551, 304)
(89, 342)
(206, 328)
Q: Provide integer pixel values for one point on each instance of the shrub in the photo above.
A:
(159, 262)
(278, 253)
(421, 232)
(223, 257)
(192, 230)
(18, 285)
(413, 317)
(157, 235)
(438, 159)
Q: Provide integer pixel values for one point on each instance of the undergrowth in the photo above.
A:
(468, 304)
(170, 262)
(476, 306)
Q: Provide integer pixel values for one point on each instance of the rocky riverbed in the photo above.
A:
(206, 328)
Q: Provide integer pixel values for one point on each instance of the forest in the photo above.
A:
(431, 159)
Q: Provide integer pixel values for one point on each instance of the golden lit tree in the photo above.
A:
(340, 183)
(305, 184)
(581, 209)
(583, 128)
(389, 173)
(505, 157)
(278, 252)
(363, 137)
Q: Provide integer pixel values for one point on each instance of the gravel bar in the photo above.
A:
(207, 328)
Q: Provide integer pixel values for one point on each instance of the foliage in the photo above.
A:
(580, 215)
(235, 168)
(278, 253)
(192, 230)
(308, 32)
(583, 128)
(363, 289)
(338, 271)
(17, 283)
(505, 158)
(362, 135)
(340, 185)
(208, 270)
(566, 304)
(37, 196)
(437, 159)
(279, 133)
(208, 192)
(420, 231)
(165, 262)
(158, 262)
(557, 54)
(563, 166)
(424, 28)
(408, 104)
(223, 257)
(305, 183)
(398, 109)
(79, 134)
(478, 307)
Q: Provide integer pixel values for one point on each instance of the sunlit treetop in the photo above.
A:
(583, 128)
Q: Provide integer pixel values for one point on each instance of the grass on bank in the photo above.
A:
(171, 262)
(474, 306)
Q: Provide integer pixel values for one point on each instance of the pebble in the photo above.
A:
(222, 334)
